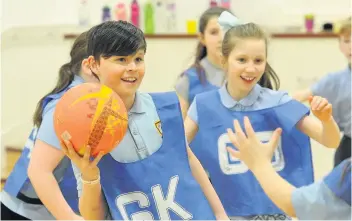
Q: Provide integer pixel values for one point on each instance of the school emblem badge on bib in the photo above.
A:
(158, 127)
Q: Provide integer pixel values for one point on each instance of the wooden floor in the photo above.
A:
(11, 156)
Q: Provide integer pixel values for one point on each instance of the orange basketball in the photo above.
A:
(91, 114)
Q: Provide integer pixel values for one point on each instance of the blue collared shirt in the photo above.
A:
(317, 201)
(336, 87)
(259, 98)
(214, 75)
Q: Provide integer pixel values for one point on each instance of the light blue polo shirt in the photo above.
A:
(336, 88)
(214, 75)
(318, 202)
(257, 99)
(143, 137)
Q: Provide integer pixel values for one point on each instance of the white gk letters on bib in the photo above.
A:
(164, 202)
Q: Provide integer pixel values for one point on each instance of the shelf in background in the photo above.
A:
(69, 36)
(160, 36)
(305, 35)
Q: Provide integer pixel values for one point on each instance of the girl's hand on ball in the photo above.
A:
(87, 167)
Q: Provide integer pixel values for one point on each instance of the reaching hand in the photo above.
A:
(321, 108)
(250, 149)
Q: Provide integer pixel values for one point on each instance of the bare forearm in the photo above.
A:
(184, 105)
(327, 133)
(202, 178)
(275, 187)
(44, 183)
(330, 134)
(191, 129)
(91, 203)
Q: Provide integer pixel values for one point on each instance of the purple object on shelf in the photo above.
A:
(106, 14)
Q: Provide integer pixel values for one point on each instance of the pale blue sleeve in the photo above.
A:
(285, 98)
(182, 86)
(46, 132)
(325, 87)
(192, 111)
(318, 202)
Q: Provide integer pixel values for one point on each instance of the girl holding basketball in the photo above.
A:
(244, 51)
(151, 174)
(42, 164)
